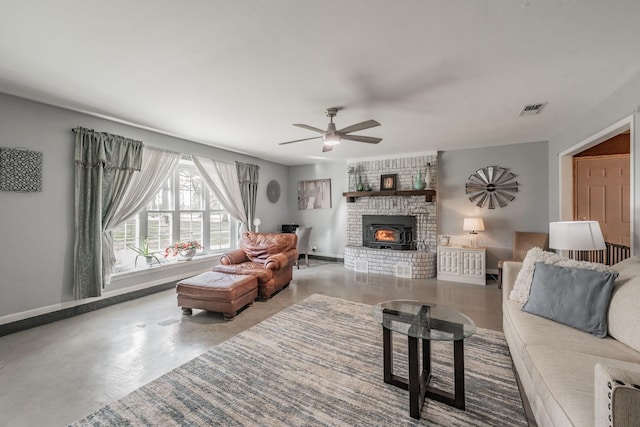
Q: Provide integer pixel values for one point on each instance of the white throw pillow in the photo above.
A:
(522, 286)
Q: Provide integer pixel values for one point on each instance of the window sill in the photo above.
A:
(166, 266)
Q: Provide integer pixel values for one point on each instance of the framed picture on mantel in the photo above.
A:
(388, 182)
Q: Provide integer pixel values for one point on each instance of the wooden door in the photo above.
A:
(602, 193)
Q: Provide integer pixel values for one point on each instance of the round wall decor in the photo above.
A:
(273, 191)
(492, 184)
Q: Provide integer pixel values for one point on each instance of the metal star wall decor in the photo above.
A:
(491, 185)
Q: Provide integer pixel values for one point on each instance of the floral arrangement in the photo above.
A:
(178, 247)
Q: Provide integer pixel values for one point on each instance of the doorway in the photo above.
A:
(602, 187)
(567, 178)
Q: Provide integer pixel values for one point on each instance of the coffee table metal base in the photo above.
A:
(418, 382)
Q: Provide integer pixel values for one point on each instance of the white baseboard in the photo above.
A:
(15, 317)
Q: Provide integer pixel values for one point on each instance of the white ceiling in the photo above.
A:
(438, 74)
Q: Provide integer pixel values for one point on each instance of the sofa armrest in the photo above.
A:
(283, 259)
(234, 257)
(616, 395)
(510, 270)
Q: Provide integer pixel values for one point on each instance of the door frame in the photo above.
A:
(565, 173)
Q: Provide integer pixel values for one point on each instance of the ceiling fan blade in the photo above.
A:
(299, 140)
(308, 127)
(360, 126)
(369, 139)
(327, 147)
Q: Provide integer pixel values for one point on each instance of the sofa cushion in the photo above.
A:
(248, 268)
(527, 329)
(565, 381)
(624, 315)
(627, 269)
(550, 360)
(575, 297)
(522, 286)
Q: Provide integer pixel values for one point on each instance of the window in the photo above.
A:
(183, 209)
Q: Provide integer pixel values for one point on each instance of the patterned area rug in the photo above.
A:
(318, 362)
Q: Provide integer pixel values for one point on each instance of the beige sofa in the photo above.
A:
(570, 377)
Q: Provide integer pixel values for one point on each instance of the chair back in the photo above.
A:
(260, 246)
(303, 239)
(525, 240)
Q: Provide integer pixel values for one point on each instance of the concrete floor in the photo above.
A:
(57, 373)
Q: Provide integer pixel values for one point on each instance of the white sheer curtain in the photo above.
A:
(157, 166)
(222, 179)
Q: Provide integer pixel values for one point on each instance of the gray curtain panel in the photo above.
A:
(248, 180)
(104, 165)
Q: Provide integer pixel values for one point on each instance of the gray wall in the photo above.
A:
(528, 212)
(619, 105)
(329, 225)
(37, 229)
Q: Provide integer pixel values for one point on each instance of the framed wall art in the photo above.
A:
(315, 194)
(388, 182)
(20, 170)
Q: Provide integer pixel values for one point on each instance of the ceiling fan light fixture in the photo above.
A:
(331, 139)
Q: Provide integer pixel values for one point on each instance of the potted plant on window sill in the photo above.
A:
(184, 250)
(144, 252)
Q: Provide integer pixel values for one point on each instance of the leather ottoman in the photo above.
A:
(219, 292)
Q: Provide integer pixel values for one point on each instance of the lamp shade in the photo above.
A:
(576, 235)
(473, 224)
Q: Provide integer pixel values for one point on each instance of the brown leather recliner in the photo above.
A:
(268, 256)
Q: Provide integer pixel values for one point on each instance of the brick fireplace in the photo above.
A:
(418, 263)
(389, 232)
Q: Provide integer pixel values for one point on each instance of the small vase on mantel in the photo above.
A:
(418, 184)
(360, 186)
(427, 178)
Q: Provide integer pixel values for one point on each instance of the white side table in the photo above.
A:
(462, 264)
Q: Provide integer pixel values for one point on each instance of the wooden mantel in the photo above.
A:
(353, 195)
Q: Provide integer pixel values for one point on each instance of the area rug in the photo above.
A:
(318, 363)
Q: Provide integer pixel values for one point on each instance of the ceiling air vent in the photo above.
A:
(532, 109)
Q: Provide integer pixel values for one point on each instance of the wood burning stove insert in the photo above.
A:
(395, 232)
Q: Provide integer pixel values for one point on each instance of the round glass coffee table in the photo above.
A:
(426, 322)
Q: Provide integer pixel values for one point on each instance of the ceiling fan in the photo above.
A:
(332, 137)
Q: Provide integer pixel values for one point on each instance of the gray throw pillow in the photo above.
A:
(573, 296)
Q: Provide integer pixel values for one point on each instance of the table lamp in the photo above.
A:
(256, 224)
(473, 225)
(576, 236)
